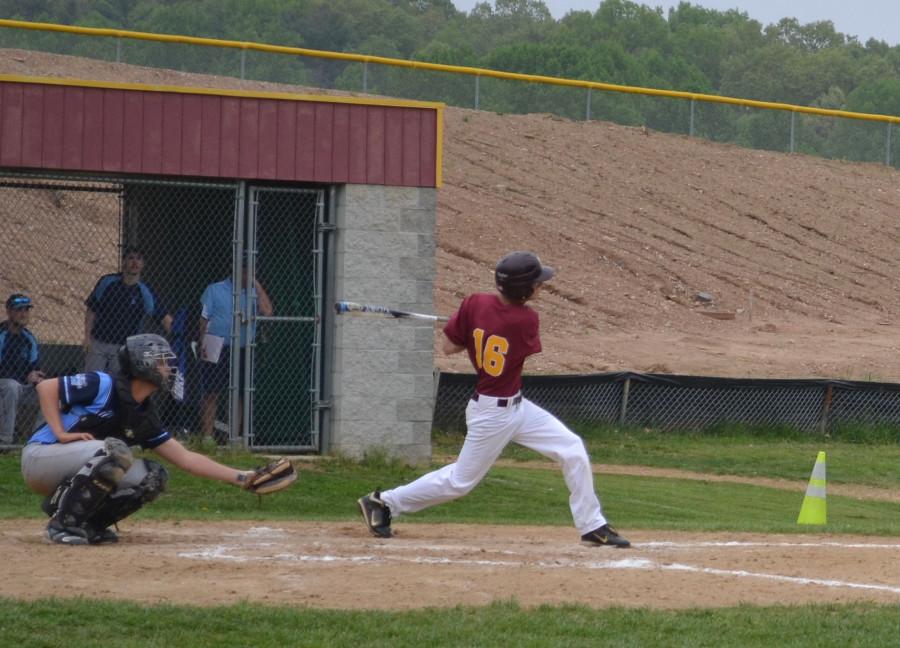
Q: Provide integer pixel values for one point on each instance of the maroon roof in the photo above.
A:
(61, 125)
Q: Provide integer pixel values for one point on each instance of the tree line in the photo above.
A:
(688, 48)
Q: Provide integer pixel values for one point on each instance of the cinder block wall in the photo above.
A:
(382, 381)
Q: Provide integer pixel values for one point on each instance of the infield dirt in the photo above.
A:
(799, 254)
(338, 565)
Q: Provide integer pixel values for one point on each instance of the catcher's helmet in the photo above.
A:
(140, 355)
(518, 272)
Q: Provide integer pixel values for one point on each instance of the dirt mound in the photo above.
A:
(796, 256)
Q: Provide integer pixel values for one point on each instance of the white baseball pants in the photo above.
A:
(490, 429)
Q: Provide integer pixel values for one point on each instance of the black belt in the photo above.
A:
(501, 402)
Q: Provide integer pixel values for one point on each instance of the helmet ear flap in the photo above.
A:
(125, 361)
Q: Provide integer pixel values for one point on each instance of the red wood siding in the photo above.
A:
(117, 130)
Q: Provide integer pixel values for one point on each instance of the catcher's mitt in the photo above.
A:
(274, 476)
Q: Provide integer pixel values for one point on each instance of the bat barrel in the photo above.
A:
(341, 307)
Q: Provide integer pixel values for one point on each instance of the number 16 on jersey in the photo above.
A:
(490, 354)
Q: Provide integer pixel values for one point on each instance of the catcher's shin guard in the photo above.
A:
(78, 498)
(125, 501)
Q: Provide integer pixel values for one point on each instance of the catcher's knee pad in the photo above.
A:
(119, 460)
(125, 501)
(79, 497)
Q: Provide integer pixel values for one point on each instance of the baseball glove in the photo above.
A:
(274, 476)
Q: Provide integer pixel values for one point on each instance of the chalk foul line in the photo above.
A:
(255, 552)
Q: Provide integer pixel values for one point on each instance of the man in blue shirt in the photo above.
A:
(19, 371)
(215, 340)
(116, 309)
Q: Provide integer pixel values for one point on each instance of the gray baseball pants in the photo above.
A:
(13, 394)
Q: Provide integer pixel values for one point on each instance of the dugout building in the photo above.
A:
(326, 197)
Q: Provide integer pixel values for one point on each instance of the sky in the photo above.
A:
(864, 19)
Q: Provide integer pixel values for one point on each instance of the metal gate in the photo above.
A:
(284, 248)
(62, 233)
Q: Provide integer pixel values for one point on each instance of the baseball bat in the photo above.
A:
(352, 308)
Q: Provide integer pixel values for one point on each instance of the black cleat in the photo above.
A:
(60, 534)
(104, 536)
(605, 536)
(376, 514)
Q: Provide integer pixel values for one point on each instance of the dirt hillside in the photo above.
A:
(798, 254)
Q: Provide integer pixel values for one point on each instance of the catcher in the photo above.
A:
(79, 456)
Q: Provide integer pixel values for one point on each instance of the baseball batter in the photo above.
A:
(499, 331)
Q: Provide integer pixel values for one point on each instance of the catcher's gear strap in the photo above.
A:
(77, 499)
(142, 423)
(274, 476)
(126, 501)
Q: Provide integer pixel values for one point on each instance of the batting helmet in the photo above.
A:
(517, 273)
(140, 355)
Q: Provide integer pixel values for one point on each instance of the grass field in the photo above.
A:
(509, 495)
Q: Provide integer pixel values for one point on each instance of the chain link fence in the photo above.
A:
(105, 257)
(783, 130)
(688, 402)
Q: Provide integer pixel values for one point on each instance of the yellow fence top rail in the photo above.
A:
(438, 67)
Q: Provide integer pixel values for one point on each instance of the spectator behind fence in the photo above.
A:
(215, 339)
(116, 309)
(19, 371)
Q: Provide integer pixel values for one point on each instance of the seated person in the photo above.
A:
(19, 371)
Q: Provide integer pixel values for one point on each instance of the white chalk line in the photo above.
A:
(736, 543)
(234, 553)
(408, 545)
(784, 579)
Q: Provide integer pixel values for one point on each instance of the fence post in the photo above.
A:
(365, 76)
(119, 52)
(691, 127)
(477, 91)
(623, 409)
(793, 115)
(887, 146)
(826, 408)
(243, 62)
(437, 385)
(587, 111)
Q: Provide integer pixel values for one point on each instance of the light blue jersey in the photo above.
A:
(217, 301)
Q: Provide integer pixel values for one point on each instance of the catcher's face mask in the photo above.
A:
(167, 368)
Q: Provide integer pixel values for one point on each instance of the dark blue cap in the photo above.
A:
(18, 301)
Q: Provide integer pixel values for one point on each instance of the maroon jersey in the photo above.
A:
(498, 338)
